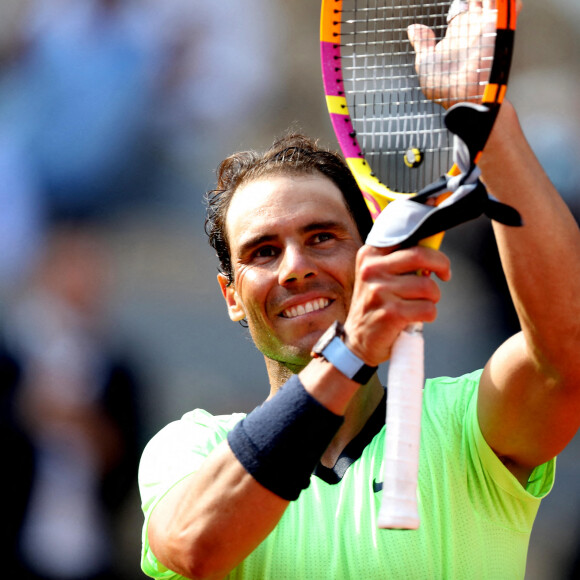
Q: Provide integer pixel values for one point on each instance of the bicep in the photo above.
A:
(525, 414)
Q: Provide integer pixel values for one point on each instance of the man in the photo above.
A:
(289, 491)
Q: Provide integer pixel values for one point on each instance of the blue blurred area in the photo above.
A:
(113, 117)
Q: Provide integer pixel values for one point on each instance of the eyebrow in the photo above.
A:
(253, 242)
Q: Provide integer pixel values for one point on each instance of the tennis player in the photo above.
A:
(291, 491)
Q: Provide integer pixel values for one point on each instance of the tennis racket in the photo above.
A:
(399, 114)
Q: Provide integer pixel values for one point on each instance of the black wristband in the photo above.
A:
(281, 442)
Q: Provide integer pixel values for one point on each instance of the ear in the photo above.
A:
(235, 306)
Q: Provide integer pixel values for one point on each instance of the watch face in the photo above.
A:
(334, 330)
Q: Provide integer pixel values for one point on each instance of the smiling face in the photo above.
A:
(293, 246)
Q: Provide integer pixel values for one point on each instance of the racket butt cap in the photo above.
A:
(395, 515)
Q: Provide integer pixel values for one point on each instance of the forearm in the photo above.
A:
(208, 523)
(541, 260)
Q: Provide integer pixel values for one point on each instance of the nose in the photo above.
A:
(295, 266)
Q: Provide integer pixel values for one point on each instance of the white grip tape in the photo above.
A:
(404, 401)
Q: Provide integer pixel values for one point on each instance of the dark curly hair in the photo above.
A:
(293, 154)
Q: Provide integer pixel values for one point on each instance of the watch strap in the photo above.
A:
(350, 365)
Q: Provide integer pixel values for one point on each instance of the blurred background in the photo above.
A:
(113, 117)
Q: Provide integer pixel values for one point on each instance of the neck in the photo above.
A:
(359, 410)
(278, 374)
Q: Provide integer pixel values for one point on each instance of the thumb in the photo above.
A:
(421, 37)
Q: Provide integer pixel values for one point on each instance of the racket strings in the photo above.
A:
(391, 113)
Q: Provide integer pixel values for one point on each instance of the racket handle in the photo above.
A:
(404, 401)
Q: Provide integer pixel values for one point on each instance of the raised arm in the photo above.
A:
(529, 402)
(529, 397)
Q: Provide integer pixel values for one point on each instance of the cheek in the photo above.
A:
(251, 288)
(344, 270)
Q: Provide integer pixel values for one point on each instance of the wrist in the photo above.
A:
(280, 442)
(502, 150)
(506, 125)
(333, 347)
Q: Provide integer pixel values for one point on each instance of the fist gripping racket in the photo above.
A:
(413, 88)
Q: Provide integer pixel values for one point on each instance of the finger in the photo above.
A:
(457, 7)
(421, 37)
(379, 261)
(415, 288)
(420, 311)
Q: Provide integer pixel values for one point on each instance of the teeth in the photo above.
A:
(306, 308)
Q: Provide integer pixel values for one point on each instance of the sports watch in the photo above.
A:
(330, 346)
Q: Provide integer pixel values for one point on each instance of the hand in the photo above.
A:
(388, 295)
(454, 69)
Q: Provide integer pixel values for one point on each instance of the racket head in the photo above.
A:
(392, 135)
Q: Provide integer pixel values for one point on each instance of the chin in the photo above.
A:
(293, 357)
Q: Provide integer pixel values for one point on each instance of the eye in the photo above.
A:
(265, 252)
(322, 237)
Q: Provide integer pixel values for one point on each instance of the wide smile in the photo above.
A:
(306, 308)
